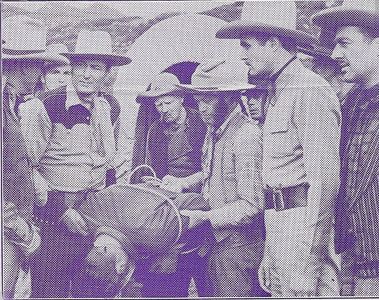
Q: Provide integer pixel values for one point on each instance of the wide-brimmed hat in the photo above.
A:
(25, 39)
(361, 13)
(57, 49)
(219, 76)
(277, 18)
(163, 84)
(96, 45)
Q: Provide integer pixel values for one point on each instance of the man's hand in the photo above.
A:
(304, 284)
(173, 184)
(75, 222)
(196, 217)
(41, 187)
(264, 276)
(20, 228)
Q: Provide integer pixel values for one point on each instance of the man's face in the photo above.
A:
(169, 107)
(24, 75)
(209, 108)
(88, 75)
(56, 76)
(256, 56)
(355, 54)
(256, 108)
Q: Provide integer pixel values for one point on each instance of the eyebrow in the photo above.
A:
(341, 39)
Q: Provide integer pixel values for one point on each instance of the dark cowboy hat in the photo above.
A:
(362, 13)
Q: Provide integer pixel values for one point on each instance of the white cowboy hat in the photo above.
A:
(162, 85)
(219, 76)
(277, 18)
(57, 48)
(361, 13)
(25, 39)
(98, 45)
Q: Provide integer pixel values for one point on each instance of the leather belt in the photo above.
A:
(286, 198)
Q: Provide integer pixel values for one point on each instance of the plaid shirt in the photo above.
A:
(232, 173)
(362, 183)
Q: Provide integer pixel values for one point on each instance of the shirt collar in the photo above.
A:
(221, 129)
(369, 96)
(286, 75)
(73, 98)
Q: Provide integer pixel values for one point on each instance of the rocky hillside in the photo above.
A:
(65, 21)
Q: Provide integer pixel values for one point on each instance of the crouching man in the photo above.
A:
(131, 222)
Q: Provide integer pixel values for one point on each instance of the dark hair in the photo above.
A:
(287, 43)
(369, 33)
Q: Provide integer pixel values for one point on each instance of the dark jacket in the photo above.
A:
(353, 206)
(185, 160)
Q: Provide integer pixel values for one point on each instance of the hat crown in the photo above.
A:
(164, 81)
(366, 5)
(93, 42)
(57, 48)
(220, 73)
(22, 33)
(279, 13)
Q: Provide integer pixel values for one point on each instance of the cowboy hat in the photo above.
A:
(25, 39)
(317, 51)
(276, 18)
(56, 48)
(96, 45)
(362, 13)
(164, 84)
(219, 76)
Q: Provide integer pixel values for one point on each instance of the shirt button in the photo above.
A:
(87, 118)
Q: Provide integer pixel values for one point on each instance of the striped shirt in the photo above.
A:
(365, 205)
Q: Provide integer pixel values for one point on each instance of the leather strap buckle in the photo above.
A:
(278, 199)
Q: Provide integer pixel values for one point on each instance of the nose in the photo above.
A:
(337, 53)
(243, 55)
(164, 108)
(202, 107)
(87, 72)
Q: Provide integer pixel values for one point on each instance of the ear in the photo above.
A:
(273, 43)
(375, 45)
(121, 262)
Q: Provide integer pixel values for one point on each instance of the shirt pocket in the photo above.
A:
(281, 141)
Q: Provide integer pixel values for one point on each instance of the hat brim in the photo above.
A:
(159, 93)
(340, 16)
(216, 89)
(112, 59)
(316, 51)
(240, 29)
(43, 57)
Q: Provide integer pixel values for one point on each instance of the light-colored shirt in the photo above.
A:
(301, 145)
(70, 145)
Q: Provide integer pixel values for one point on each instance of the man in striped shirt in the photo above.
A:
(357, 209)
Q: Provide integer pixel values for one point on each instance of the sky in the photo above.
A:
(140, 8)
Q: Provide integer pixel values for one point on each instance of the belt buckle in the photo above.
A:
(278, 199)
